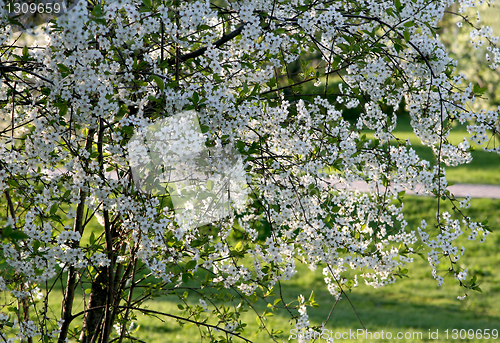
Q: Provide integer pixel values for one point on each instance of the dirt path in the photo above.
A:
(459, 190)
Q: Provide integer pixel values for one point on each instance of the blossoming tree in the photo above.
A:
(73, 214)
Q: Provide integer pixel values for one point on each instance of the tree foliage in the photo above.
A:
(74, 215)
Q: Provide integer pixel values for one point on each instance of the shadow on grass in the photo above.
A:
(403, 307)
(382, 311)
(414, 304)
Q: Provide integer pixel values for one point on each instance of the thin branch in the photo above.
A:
(4, 68)
(224, 39)
(144, 310)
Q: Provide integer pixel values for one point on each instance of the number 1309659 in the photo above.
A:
(15, 8)
(471, 334)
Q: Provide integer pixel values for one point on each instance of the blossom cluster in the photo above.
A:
(72, 104)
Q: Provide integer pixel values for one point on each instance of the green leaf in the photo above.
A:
(478, 89)
(397, 3)
(272, 83)
(311, 297)
(239, 246)
(6, 232)
(196, 98)
(255, 90)
(164, 64)
(159, 82)
(141, 65)
(407, 35)
(432, 29)
(63, 68)
(210, 185)
(204, 128)
(191, 264)
(97, 11)
(18, 235)
(53, 209)
(14, 21)
(152, 98)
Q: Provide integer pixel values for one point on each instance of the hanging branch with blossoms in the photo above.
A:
(165, 147)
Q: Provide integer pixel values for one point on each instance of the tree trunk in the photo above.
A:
(93, 322)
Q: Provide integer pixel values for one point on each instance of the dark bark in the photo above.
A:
(69, 294)
(98, 320)
(93, 322)
(224, 39)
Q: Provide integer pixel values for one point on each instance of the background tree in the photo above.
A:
(111, 70)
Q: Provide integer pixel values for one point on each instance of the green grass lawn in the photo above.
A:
(415, 304)
(484, 168)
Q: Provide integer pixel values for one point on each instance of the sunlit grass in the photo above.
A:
(415, 304)
(484, 168)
